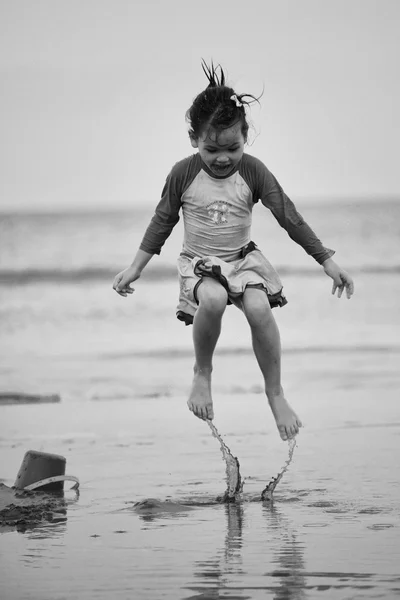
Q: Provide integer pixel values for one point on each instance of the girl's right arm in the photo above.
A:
(127, 276)
(164, 219)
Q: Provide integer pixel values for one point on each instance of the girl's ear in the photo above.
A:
(193, 140)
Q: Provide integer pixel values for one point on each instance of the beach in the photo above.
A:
(333, 524)
(147, 522)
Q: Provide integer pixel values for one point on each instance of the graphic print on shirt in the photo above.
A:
(218, 211)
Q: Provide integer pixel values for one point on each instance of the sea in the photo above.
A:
(57, 270)
(148, 522)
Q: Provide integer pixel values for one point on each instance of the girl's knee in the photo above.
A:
(256, 307)
(212, 296)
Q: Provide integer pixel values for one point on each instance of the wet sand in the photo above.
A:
(332, 530)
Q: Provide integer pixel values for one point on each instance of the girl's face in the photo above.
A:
(221, 151)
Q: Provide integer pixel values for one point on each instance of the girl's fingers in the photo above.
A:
(121, 292)
(345, 282)
(348, 284)
(337, 285)
(119, 284)
(116, 282)
(350, 289)
(124, 291)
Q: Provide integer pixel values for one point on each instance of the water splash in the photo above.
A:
(267, 492)
(233, 478)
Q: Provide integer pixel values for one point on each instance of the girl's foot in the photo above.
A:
(200, 401)
(287, 421)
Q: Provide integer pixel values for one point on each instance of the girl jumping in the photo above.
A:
(216, 189)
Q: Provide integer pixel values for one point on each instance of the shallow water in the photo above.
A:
(332, 530)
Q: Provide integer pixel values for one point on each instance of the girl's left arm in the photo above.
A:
(285, 212)
(341, 279)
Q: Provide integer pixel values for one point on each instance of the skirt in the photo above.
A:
(251, 269)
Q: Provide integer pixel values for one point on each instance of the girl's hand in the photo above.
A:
(123, 279)
(341, 279)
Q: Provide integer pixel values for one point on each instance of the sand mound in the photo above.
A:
(23, 508)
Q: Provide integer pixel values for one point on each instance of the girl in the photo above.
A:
(216, 188)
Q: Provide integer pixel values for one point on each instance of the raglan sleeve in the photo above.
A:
(166, 214)
(273, 197)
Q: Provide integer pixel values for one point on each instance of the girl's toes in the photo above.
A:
(283, 433)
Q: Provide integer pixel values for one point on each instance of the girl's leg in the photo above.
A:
(267, 348)
(206, 329)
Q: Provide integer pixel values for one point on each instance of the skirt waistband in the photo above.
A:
(250, 247)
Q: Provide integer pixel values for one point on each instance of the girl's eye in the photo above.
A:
(214, 150)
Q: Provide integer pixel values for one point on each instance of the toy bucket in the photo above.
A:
(44, 472)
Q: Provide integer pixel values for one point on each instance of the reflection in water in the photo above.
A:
(50, 526)
(233, 538)
(215, 571)
(289, 556)
(45, 523)
(287, 580)
(42, 547)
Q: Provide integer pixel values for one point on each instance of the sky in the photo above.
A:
(94, 93)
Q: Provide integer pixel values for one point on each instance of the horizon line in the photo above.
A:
(106, 208)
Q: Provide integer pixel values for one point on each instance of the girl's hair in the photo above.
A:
(218, 106)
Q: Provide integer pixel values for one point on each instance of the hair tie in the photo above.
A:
(236, 100)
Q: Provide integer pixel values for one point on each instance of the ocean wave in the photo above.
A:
(169, 353)
(161, 273)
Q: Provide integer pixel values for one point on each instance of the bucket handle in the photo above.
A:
(55, 479)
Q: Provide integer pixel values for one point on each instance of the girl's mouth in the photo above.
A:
(221, 169)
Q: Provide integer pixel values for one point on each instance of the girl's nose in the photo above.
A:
(222, 160)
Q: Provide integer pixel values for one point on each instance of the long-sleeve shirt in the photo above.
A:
(217, 212)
